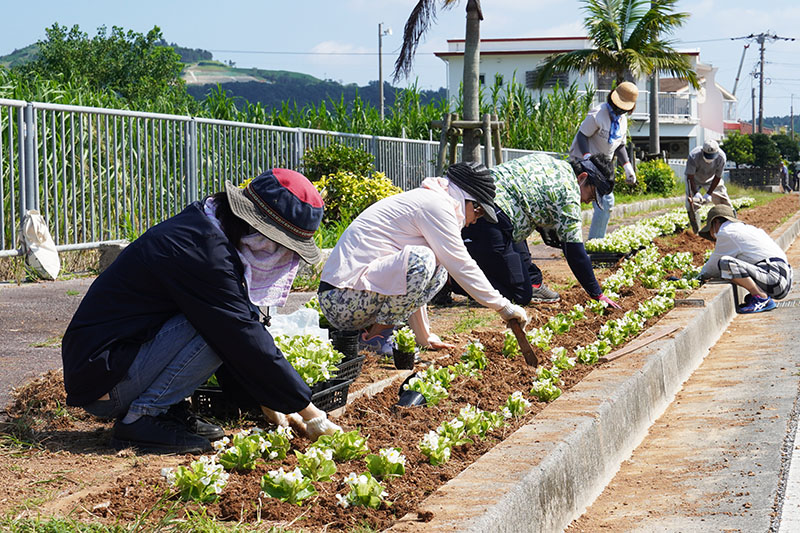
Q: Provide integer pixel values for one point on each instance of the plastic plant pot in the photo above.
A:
(345, 341)
(411, 398)
(403, 360)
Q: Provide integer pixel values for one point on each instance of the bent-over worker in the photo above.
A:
(395, 256)
(180, 301)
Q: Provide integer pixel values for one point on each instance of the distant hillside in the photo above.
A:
(20, 57)
(269, 87)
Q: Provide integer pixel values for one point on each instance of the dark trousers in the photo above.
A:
(506, 264)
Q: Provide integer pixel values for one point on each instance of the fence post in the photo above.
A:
(403, 163)
(300, 149)
(192, 191)
(30, 189)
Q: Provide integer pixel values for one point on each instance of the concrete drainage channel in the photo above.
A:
(548, 472)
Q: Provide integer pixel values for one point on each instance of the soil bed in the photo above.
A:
(69, 470)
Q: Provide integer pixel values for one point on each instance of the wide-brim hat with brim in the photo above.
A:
(282, 205)
(477, 181)
(718, 211)
(625, 95)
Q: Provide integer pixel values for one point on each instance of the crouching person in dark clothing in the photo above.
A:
(538, 192)
(180, 301)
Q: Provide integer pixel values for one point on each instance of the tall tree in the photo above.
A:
(423, 14)
(629, 39)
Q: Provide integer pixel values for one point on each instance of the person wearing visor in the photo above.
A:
(704, 168)
(181, 303)
(396, 255)
(748, 257)
(538, 192)
(604, 131)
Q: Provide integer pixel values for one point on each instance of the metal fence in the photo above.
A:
(100, 175)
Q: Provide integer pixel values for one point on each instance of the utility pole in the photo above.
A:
(761, 38)
(381, 33)
(753, 106)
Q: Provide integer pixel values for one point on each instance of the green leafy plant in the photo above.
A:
(511, 347)
(442, 375)
(344, 446)
(313, 303)
(454, 431)
(405, 340)
(560, 360)
(202, 481)
(313, 358)
(658, 177)
(277, 442)
(365, 490)
(433, 391)
(243, 452)
(476, 354)
(388, 463)
(336, 157)
(317, 463)
(347, 194)
(478, 422)
(545, 391)
(436, 448)
(515, 405)
(291, 487)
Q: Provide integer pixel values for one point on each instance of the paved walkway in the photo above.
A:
(718, 459)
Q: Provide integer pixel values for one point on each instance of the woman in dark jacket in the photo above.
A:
(181, 300)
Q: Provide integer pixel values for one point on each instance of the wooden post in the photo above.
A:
(498, 148)
(443, 143)
(487, 140)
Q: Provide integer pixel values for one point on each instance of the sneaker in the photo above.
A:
(443, 297)
(544, 294)
(180, 413)
(158, 434)
(378, 344)
(758, 305)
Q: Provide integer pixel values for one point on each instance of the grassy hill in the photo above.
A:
(19, 57)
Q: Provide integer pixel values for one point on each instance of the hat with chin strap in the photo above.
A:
(282, 205)
(602, 184)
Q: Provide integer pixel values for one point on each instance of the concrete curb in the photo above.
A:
(625, 209)
(548, 472)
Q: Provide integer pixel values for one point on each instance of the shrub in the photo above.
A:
(337, 157)
(657, 176)
(620, 187)
(347, 194)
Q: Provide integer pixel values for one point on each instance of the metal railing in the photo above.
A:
(100, 175)
(670, 104)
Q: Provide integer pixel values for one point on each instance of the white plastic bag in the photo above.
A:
(301, 322)
(38, 246)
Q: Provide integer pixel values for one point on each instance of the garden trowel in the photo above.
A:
(524, 344)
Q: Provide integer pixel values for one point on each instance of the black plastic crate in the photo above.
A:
(606, 259)
(331, 394)
(214, 402)
(349, 368)
(345, 341)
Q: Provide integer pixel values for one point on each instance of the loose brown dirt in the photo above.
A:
(56, 462)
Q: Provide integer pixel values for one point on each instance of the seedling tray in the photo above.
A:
(349, 368)
(607, 259)
(331, 394)
(213, 401)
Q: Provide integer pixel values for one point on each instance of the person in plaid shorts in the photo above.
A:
(748, 257)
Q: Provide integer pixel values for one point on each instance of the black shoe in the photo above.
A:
(443, 297)
(180, 413)
(158, 434)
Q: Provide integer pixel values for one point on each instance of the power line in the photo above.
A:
(267, 52)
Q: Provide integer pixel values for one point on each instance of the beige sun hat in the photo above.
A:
(718, 211)
(625, 95)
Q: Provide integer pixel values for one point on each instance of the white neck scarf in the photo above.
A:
(269, 268)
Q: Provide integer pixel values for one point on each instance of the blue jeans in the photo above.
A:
(600, 217)
(167, 369)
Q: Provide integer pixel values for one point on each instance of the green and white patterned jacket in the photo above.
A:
(539, 190)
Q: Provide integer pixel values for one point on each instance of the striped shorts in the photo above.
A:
(773, 276)
(356, 309)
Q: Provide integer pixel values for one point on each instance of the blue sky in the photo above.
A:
(338, 39)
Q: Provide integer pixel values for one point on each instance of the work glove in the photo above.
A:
(706, 197)
(608, 301)
(316, 427)
(630, 175)
(698, 198)
(550, 237)
(513, 312)
(279, 419)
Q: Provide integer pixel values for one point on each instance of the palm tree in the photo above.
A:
(423, 14)
(628, 38)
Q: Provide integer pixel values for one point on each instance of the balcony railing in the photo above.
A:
(670, 105)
